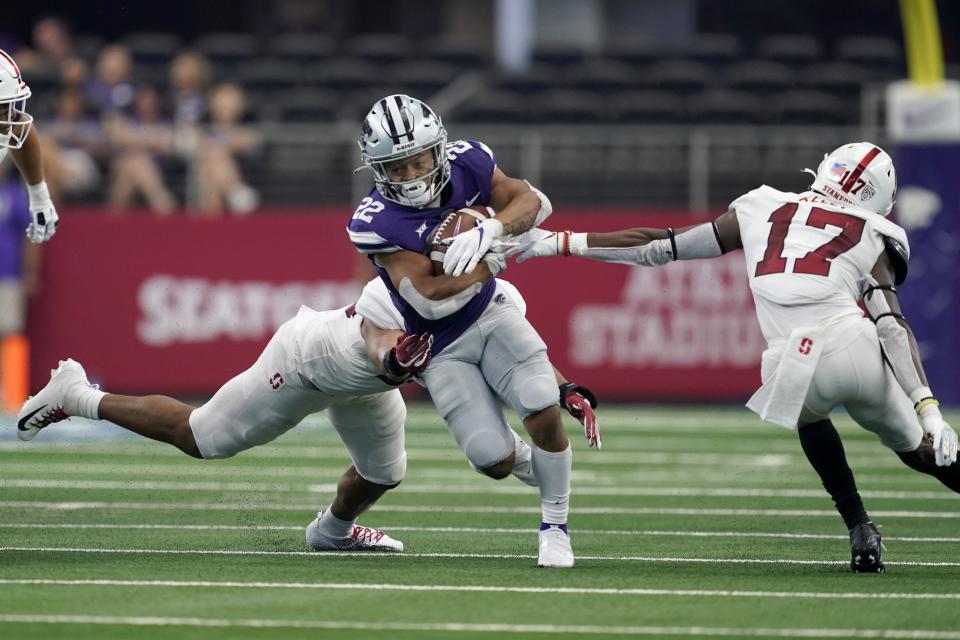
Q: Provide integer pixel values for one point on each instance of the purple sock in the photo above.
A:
(546, 525)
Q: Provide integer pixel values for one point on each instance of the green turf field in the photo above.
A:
(689, 523)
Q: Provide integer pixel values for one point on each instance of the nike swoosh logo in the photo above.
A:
(22, 423)
(473, 199)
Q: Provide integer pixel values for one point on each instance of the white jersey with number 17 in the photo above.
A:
(808, 257)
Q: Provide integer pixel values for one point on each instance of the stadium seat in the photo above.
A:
(841, 79)
(266, 75)
(228, 49)
(647, 107)
(342, 74)
(633, 51)
(565, 106)
(804, 107)
(422, 78)
(791, 49)
(678, 76)
(715, 49)
(301, 48)
(304, 106)
(881, 57)
(726, 106)
(464, 53)
(153, 48)
(380, 48)
(601, 75)
(495, 107)
(536, 79)
(758, 77)
(558, 55)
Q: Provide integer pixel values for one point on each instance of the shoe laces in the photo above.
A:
(365, 535)
(49, 417)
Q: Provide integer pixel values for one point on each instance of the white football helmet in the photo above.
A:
(859, 174)
(399, 127)
(14, 120)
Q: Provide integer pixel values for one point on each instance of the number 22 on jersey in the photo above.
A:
(818, 261)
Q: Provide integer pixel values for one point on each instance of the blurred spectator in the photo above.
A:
(19, 280)
(189, 74)
(74, 73)
(112, 89)
(218, 176)
(52, 45)
(139, 144)
(72, 141)
(51, 38)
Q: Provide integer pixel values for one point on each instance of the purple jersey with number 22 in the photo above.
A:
(381, 226)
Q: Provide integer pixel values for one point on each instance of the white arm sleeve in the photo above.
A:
(436, 309)
(697, 243)
(546, 208)
(894, 339)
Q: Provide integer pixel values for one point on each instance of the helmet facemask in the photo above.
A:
(418, 192)
(15, 122)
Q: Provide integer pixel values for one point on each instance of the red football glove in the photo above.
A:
(580, 402)
(411, 355)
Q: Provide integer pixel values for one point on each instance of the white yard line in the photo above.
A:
(449, 453)
(433, 509)
(463, 627)
(480, 556)
(487, 530)
(354, 586)
(487, 487)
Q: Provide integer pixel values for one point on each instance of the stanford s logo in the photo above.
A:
(276, 381)
(805, 345)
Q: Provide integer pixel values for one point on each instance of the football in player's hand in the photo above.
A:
(454, 223)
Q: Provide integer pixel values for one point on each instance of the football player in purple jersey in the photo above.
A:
(484, 349)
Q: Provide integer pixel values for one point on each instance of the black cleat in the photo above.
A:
(865, 549)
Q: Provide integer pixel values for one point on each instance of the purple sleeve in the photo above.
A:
(371, 229)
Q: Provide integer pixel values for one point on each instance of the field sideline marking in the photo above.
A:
(391, 528)
(498, 556)
(360, 586)
(815, 632)
(607, 511)
(690, 492)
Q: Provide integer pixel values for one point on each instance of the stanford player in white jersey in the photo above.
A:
(811, 257)
(19, 137)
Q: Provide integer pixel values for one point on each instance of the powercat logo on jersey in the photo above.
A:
(197, 310)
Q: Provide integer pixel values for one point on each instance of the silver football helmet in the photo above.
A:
(399, 127)
(14, 120)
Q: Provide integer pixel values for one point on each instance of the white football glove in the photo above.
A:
(539, 245)
(944, 437)
(43, 214)
(496, 258)
(465, 250)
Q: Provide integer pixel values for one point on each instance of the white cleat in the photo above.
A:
(555, 549)
(54, 402)
(360, 539)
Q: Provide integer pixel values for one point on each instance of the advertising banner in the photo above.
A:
(179, 305)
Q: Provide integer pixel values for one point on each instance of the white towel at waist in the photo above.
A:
(780, 399)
